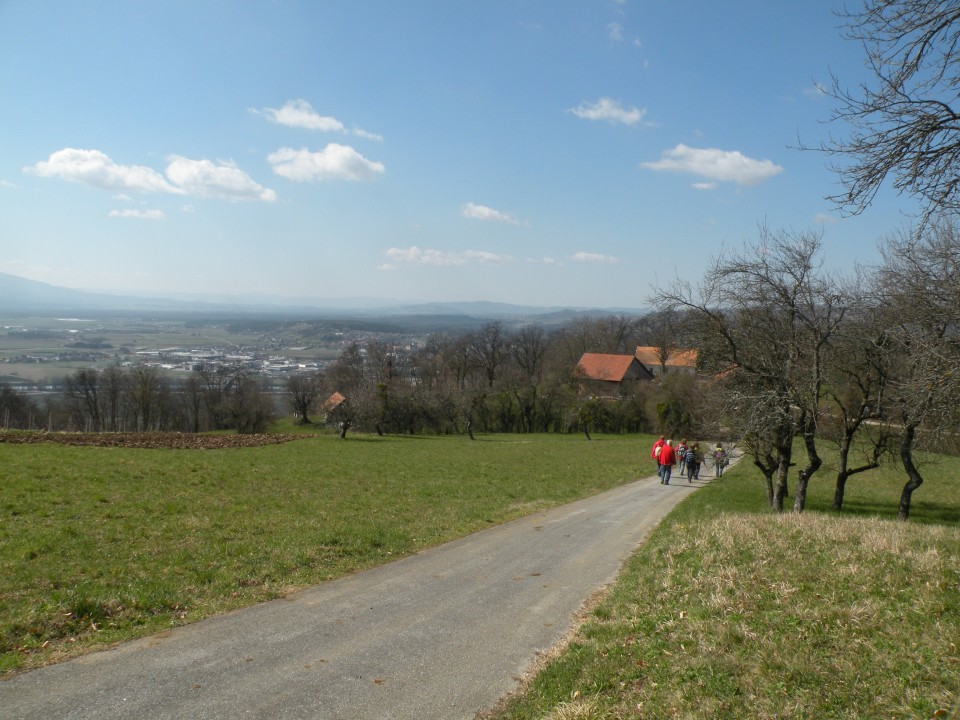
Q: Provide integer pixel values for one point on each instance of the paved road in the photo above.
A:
(443, 634)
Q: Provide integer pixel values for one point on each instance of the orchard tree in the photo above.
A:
(305, 390)
(917, 294)
(763, 318)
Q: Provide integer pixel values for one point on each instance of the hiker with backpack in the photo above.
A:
(693, 458)
(720, 459)
(655, 455)
(682, 457)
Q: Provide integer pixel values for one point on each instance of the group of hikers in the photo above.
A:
(687, 459)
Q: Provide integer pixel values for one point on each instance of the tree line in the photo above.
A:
(139, 398)
(865, 363)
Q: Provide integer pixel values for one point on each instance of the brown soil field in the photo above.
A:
(163, 440)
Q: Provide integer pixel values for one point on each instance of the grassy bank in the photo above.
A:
(730, 612)
(102, 544)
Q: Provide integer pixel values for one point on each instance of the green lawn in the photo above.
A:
(99, 545)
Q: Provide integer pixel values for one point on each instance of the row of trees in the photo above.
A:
(496, 380)
(867, 361)
(140, 398)
(870, 360)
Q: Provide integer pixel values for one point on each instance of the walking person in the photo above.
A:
(691, 463)
(682, 457)
(668, 458)
(697, 460)
(655, 454)
(719, 459)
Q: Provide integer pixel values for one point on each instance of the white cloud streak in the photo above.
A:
(139, 214)
(482, 212)
(96, 169)
(610, 110)
(202, 178)
(300, 114)
(417, 256)
(222, 180)
(715, 165)
(588, 257)
(334, 162)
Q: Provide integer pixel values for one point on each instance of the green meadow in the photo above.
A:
(727, 611)
(102, 544)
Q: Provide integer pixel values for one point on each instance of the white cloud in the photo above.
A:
(334, 162)
(816, 90)
(300, 114)
(611, 110)
(824, 219)
(715, 165)
(482, 212)
(594, 258)
(704, 186)
(140, 214)
(95, 168)
(615, 31)
(436, 258)
(223, 180)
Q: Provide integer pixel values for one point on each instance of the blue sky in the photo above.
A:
(543, 152)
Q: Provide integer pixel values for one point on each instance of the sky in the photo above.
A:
(575, 153)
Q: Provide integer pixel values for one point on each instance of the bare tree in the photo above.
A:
(918, 293)
(305, 390)
(763, 317)
(904, 122)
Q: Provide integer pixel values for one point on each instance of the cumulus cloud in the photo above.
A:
(334, 162)
(300, 114)
(417, 256)
(223, 180)
(482, 212)
(715, 165)
(588, 257)
(610, 110)
(139, 214)
(95, 168)
(183, 176)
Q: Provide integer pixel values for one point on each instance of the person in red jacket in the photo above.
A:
(655, 454)
(668, 458)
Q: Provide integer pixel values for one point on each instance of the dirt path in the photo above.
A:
(443, 634)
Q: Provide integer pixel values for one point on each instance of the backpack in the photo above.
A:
(690, 457)
(721, 457)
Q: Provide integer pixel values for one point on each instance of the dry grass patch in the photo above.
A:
(753, 616)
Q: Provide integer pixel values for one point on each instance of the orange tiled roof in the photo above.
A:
(333, 402)
(650, 356)
(598, 366)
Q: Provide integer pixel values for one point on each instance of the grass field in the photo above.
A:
(101, 544)
(726, 612)
(731, 612)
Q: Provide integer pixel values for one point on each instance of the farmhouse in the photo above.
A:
(682, 361)
(605, 375)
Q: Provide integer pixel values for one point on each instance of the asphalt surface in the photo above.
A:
(443, 634)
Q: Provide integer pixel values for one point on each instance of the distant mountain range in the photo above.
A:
(20, 295)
